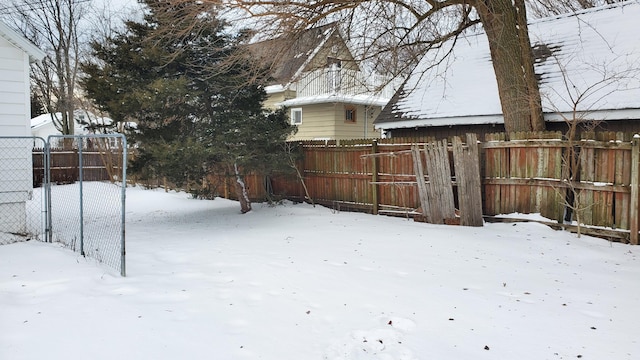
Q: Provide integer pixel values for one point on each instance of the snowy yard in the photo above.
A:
(297, 282)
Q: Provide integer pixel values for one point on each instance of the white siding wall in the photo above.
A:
(15, 112)
(14, 91)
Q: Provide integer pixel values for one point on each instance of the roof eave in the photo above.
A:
(336, 98)
(605, 114)
(35, 54)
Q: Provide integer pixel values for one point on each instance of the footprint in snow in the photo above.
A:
(384, 341)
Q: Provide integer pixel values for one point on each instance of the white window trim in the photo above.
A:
(293, 117)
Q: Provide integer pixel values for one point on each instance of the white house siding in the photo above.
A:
(15, 156)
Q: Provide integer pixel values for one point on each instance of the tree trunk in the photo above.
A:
(506, 27)
(241, 191)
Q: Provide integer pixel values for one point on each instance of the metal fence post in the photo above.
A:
(80, 177)
(47, 190)
(123, 197)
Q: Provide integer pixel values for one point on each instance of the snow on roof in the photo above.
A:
(322, 40)
(593, 56)
(82, 117)
(271, 89)
(288, 57)
(21, 43)
(43, 119)
(361, 99)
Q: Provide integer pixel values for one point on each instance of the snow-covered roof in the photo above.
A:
(593, 55)
(82, 119)
(42, 120)
(271, 89)
(362, 99)
(21, 43)
(288, 57)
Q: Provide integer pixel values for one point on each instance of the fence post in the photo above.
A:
(374, 177)
(123, 201)
(47, 190)
(80, 184)
(635, 174)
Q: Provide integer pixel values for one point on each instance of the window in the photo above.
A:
(296, 116)
(334, 63)
(350, 114)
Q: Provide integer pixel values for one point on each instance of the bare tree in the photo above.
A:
(292, 162)
(54, 26)
(400, 31)
(574, 103)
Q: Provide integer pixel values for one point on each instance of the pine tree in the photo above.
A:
(197, 105)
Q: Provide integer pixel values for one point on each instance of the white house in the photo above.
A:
(16, 179)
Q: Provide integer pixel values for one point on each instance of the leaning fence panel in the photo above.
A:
(22, 200)
(87, 200)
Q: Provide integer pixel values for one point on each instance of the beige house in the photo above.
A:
(327, 94)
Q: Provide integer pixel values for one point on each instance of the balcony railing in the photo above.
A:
(330, 81)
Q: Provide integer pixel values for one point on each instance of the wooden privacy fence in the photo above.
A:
(98, 165)
(374, 176)
(593, 179)
(530, 173)
(533, 173)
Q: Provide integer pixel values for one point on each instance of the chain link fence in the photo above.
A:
(75, 194)
(22, 200)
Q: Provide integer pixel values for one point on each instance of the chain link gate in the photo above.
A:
(76, 197)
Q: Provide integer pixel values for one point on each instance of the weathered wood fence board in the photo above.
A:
(467, 168)
(428, 206)
(440, 177)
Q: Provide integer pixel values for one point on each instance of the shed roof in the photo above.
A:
(35, 54)
(590, 59)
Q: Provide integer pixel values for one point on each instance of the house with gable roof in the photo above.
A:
(588, 65)
(327, 93)
(16, 55)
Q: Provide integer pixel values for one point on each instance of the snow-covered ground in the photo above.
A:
(298, 282)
